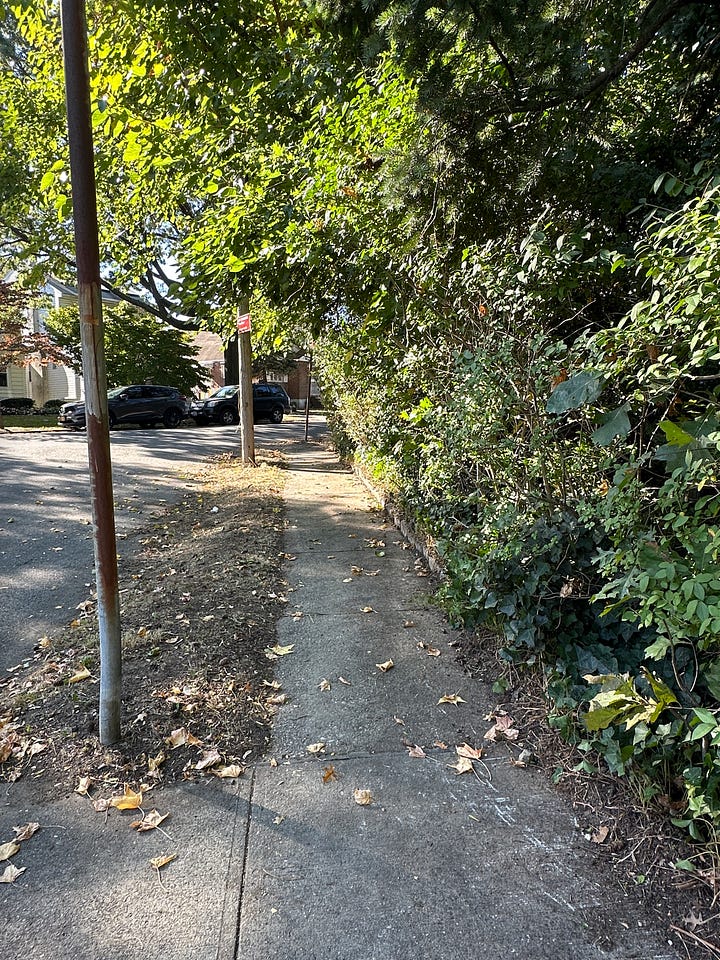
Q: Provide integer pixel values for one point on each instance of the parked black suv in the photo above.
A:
(270, 402)
(139, 403)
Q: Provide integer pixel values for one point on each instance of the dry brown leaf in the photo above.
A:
(130, 800)
(451, 698)
(273, 684)
(388, 665)
(503, 727)
(154, 764)
(278, 820)
(208, 758)
(25, 831)
(273, 762)
(343, 680)
(315, 748)
(416, 752)
(83, 786)
(230, 772)
(182, 737)
(37, 747)
(79, 675)
(329, 774)
(441, 745)
(325, 684)
(101, 805)
(279, 650)
(363, 797)
(11, 873)
(600, 835)
(149, 822)
(8, 849)
(399, 721)
(367, 610)
(431, 651)
(409, 623)
(465, 750)
(463, 765)
(160, 862)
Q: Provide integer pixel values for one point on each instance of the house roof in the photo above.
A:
(65, 290)
(210, 347)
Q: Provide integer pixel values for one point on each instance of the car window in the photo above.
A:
(262, 390)
(133, 393)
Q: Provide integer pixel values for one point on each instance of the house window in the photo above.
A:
(3, 377)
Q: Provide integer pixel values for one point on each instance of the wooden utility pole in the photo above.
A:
(82, 177)
(245, 391)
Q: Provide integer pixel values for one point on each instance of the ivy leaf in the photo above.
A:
(576, 391)
(614, 424)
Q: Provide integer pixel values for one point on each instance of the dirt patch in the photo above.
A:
(201, 589)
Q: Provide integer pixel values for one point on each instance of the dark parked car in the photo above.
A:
(140, 403)
(270, 402)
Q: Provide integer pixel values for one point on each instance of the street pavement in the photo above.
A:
(359, 848)
(46, 551)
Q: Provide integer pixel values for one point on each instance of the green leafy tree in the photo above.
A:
(138, 348)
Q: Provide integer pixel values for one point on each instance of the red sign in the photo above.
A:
(243, 323)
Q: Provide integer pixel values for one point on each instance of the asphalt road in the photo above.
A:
(46, 550)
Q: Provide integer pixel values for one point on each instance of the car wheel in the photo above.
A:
(172, 417)
(228, 416)
(276, 415)
(112, 421)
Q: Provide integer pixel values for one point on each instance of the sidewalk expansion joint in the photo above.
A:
(246, 856)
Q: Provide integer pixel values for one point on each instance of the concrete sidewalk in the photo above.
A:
(287, 865)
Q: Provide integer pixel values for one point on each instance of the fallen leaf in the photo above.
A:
(273, 684)
(416, 752)
(430, 651)
(37, 747)
(208, 758)
(277, 699)
(600, 835)
(409, 623)
(26, 831)
(465, 750)
(329, 774)
(154, 764)
(278, 819)
(464, 765)
(182, 737)
(83, 786)
(451, 698)
(79, 675)
(11, 873)
(315, 748)
(149, 822)
(440, 745)
(273, 762)
(101, 805)
(399, 722)
(503, 727)
(8, 849)
(130, 800)
(324, 684)
(346, 682)
(388, 665)
(278, 651)
(230, 772)
(160, 862)
(367, 610)
(363, 797)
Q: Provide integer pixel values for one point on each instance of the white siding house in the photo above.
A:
(52, 381)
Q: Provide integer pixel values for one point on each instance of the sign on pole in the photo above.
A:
(243, 323)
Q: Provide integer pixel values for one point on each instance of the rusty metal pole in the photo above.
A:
(82, 177)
